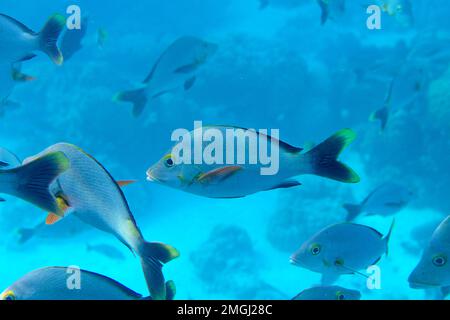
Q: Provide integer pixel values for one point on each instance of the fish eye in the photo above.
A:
(439, 260)
(315, 249)
(9, 296)
(168, 161)
(340, 295)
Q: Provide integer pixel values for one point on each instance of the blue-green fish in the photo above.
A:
(19, 43)
(59, 283)
(175, 68)
(330, 9)
(239, 180)
(401, 10)
(328, 293)
(88, 191)
(386, 200)
(433, 269)
(31, 181)
(343, 248)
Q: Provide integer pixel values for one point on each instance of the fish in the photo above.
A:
(330, 9)
(102, 36)
(31, 181)
(236, 180)
(8, 160)
(175, 68)
(400, 9)
(72, 40)
(67, 228)
(343, 248)
(10, 75)
(433, 269)
(88, 191)
(57, 283)
(383, 114)
(106, 250)
(19, 42)
(328, 293)
(385, 200)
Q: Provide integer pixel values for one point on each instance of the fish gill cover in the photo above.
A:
(293, 73)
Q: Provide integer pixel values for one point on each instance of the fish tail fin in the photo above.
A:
(34, 178)
(153, 256)
(49, 35)
(324, 158)
(25, 234)
(137, 97)
(353, 210)
(381, 115)
(388, 236)
(171, 290)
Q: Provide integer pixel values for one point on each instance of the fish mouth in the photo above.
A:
(294, 261)
(152, 178)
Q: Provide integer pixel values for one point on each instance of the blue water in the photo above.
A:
(275, 68)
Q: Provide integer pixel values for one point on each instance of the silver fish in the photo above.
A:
(88, 191)
(175, 68)
(328, 293)
(239, 180)
(433, 269)
(19, 42)
(53, 283)
(386, 200)
(343, 248)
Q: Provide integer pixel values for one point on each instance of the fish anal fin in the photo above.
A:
(124, 183)
(189, 83)
(52, 218)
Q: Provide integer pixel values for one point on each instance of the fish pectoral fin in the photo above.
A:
(286, 184)
(219, 174)
(27, 57)
(52, 218)
(124, 183)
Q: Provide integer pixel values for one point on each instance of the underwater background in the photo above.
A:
(276, 67)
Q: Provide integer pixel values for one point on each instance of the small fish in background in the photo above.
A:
(235, 181)
(330, 9)
(102, 36)
(67, 228)
(88, 191)
(72, 40)
(175, 68)
(106, 250)
(400, 9)
(8, 160)
(343, 248)
(386, 200)
(50, 283)
(328, 293)
(19, 42)
(433, 269)
(383, 113)
(9, 77)
(31, 181)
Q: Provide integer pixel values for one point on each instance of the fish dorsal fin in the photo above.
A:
(23, 27)
(219, 174)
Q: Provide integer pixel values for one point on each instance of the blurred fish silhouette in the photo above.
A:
(343, 248)
(239, 180)
(175, 68)
(400, 9)
(328, 293)
(102, 36)
(433, 269)
(19, 42)
(51, 283)
(330, 9)
(31, 181)
(72, 40)
(383, 113)
(10, 75)
(106, 250)
(88, 191)
(386, 200)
